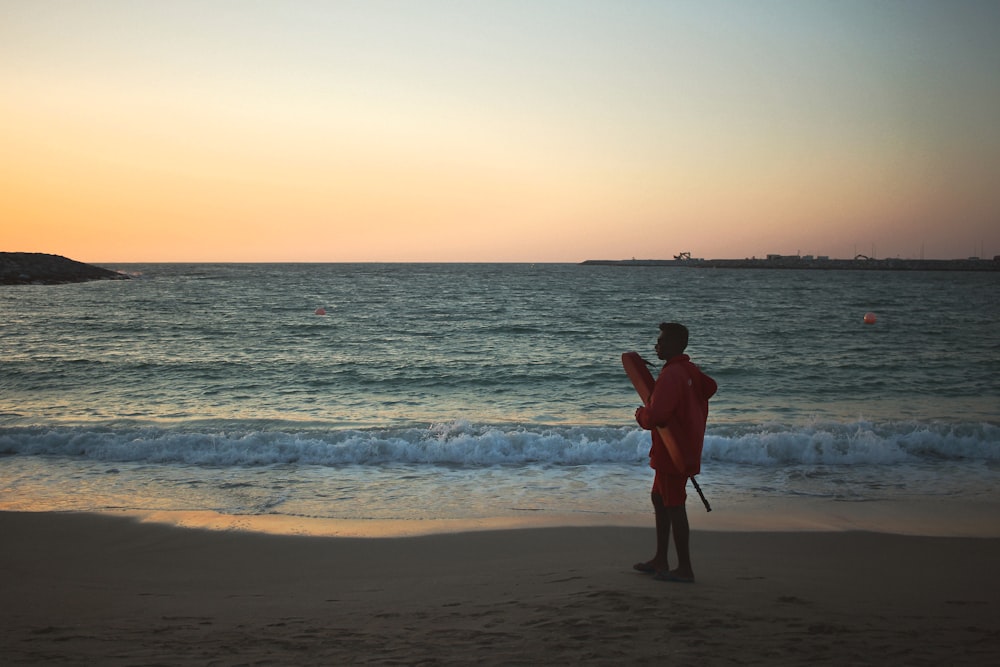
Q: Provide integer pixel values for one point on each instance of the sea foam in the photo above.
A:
(467, 444)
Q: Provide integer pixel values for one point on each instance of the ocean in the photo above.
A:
(381, 398)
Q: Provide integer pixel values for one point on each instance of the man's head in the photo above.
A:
(673, 340)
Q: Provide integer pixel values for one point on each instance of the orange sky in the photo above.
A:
(498, 131)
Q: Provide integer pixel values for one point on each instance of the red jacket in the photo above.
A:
(679, 402)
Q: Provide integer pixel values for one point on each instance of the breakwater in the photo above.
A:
(822, 263)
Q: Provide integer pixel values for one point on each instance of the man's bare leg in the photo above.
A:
(660, 562)
(682, 537)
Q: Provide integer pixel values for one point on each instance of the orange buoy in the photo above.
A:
(322, 311)
(870, 318)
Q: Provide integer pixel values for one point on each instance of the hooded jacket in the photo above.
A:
(679, 403)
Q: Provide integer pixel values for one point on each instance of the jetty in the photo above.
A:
(859, 263)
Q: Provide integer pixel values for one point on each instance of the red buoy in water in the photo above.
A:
(322, 311)
(870, 318)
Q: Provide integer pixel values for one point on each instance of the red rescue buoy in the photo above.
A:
(870, 318)
(322, 311)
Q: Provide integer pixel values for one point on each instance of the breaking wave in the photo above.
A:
(467, 444)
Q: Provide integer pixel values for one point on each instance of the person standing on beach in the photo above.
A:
(680, 403)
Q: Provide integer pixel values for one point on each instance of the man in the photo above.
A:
(680, 403)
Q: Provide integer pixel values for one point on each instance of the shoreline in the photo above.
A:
(968, 517)
(94, 589)
(917, 518)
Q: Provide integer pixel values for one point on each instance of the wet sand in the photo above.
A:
(102, 590)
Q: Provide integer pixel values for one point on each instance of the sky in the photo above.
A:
(498, 130)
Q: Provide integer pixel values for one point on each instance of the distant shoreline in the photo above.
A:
(36, 268)
(814, 263)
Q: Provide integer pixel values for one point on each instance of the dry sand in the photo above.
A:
(98, 590)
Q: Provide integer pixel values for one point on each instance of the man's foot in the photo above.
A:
(649, 567)
(667, 575)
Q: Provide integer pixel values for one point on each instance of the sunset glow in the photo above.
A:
(499, 131)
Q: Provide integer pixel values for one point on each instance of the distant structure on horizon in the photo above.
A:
(821, 262)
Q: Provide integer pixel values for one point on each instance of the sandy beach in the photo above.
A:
(105, 590)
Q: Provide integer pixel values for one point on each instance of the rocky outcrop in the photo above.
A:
(35, 268)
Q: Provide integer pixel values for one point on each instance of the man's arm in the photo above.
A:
(663, 403)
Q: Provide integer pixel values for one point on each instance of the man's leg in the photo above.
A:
(661, 561)
(682, 534)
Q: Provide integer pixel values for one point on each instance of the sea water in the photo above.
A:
(373, 394)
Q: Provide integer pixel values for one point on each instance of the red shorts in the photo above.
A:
(670, 488)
